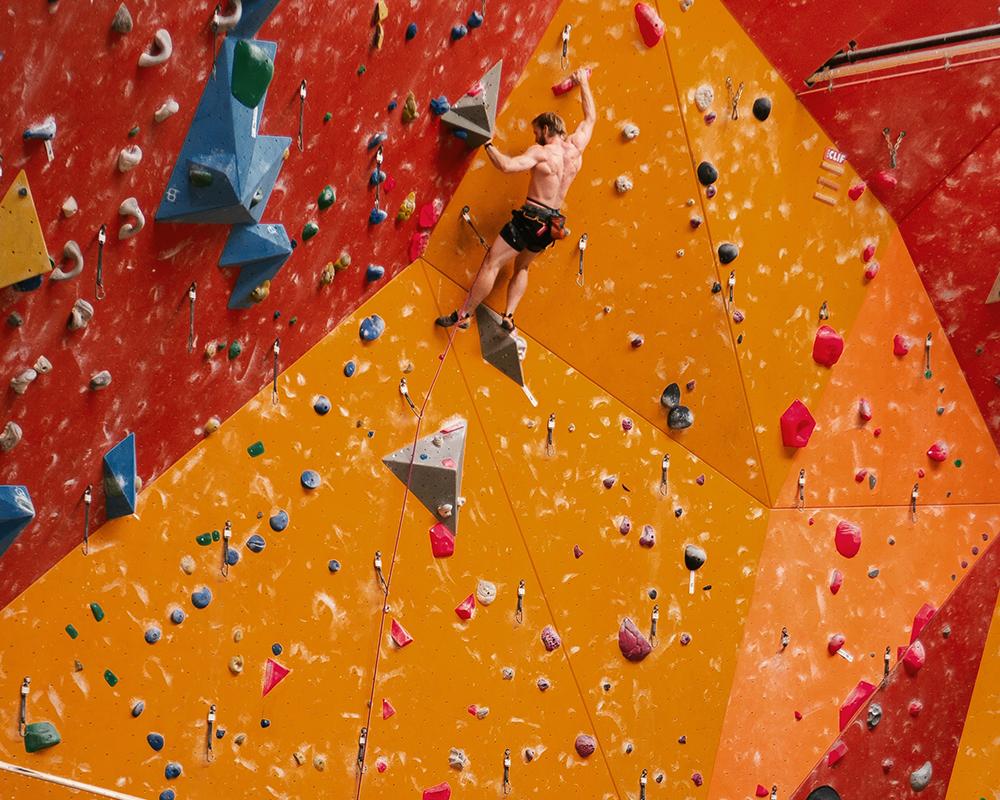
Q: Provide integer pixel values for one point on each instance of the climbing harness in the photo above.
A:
(88, 498)
(785, 638)
(227, 533)
(209, 754)
(302, 112)
(192, 294)
(801, 501)
(468, 218)
(642, 784)
(927, 355)
(404, 390)
(506, 771)
(564, 59)
(664, 475)
(519, 611)
(378, 572)
(913, 502)
(22, 717)
(102, 237)
(655, 619)
(734, 96)
(362, 745)
(892, 146)
(549, 445)
(583, 247)
(276, 349)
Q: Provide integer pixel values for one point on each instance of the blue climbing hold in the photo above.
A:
(377, 139)
(16, 511)
(392, 105)
(424, 456)
(411, 31)
(440, 105)
(458, 32)
(276, 649)
(374, 272)
(334, 565)
(220, 732)
(458, 133)
(310, 479)
(256, 543)
(279, 521)
(167, 794)
(28, 284)
(155, 741)
(120, 479)
(265, 723)
(349, 369)
(177, 616)
(321, 405)
(232, 557)
(371, 328)
(138, 708)
(377, 177)
(152, 635)
(173, 770)
(475, 20)
(377, 216)
(259, 251)
(201, 598)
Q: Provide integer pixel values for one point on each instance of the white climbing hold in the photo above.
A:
(163, 48)
(703, 97)
(10, 437)
(167, 110)
(445, 510)
(130, 208)
(129, 158)
(226, 22)
(623, 184)
(81, 313)
(686, 4)
(920, 778)
(486, 592)
(70, 207)
(457, 759)
(630, 132)
(100, 380)
(71, 251)
(19, 383)
(122, 20)
(42, 365)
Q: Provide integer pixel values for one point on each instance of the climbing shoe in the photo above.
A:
(507, 323)
(453, 318)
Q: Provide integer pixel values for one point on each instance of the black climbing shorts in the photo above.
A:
(528, 228)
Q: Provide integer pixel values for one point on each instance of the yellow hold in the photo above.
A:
(22, 246)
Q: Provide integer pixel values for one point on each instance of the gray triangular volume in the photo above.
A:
(499, 348)
(476, 114)
(436, 479)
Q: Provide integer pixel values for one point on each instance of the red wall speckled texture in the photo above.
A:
(65, 61)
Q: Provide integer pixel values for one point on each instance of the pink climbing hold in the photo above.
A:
(585, 745)
(938, 452)
(865, 409)
(868, 253)
(871, 270)
(577, 551)
(797, 425)
(381, 764)
(631, 642)
(697, 779)
(858, 697)
(914, 658)
(887, 765)
(761, 791)
(550, 638)
(837, 752)
(442, 541)
(387, 709)
(857, 190)
(274, 673)
(915, 708)
(900, 345)
(466, 607)
(884, 180)
(418, 244)
(430, 213)
(836, 581)
(836, 643)
(922, 617)
(400, 635)
(565, 85)
(650, 25)
(440, 792)
(848, 538)
(828, 346)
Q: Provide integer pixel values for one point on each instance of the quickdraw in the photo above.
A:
(564, 59)
(88, 498)
(302, 112)
(102, 238)
(192, 295)
(583, 246)
(734, 96)
(519, 611)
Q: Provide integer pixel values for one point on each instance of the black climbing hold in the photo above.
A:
(762, 108)
(671, 396)
(716, 287)
(707, 173)
(680, 418)
(694, 557)
(652, 594)
(728, 252)
(823, 793)
(334, 565)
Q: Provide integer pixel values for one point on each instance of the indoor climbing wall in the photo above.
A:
(718, 522)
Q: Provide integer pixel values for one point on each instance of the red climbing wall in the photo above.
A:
(68, 64)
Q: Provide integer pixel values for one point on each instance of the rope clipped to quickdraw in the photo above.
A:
(893, 147)
(564, 59)
(913, 502)
(653, 622)
(732, 285)
(665, 475)
(801, 501)
(468, 218)
(22, 716)
(209, 753)
(276, 348)
(583, 246)
(102, 238)
(405, 391)
(506, 771)
(886, 658)
(642, 784)
(519, 611)
(302, 112)
(88, 498)
(362, 746)
(734, 96)
(378, 572)
(550, 447)
(192, 294)
(227, 534)
(377, 176)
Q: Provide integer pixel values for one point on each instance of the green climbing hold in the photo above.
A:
(327, 116)
(326, 198)
(204, 539)
(252, 73)
(310, 230)
(958, 462)
(292, 321)
(215, 536)
(928, 374)
(361, 69)
(110, 677)
(133, 132)
(200, 177)
(73, 632)
(39, 736)
(97, 611)
(256, 449)
(235, 349)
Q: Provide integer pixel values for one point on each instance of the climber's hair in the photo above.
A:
(552, 121)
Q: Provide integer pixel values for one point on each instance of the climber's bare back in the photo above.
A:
(559, 161)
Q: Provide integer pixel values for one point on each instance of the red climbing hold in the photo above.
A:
(858, 697)
(848, 538)
(440, 792)
(631, 642)
(566, 84)
(430, 213)
(585, 745)
(650, 25)
(798, 716)
(466, 607)
(857, 190)
(418, 244)
(274, 674)
(914, 658)
(884, 180)
(868, 253)
(761, 791)
(915, 708)
(828, 346)
(922, 618)
(836, 581)
(864, 409)
(938, 452)
(860, 475)
(797, 425)
(837, 752)
(900, 345)
(387, 709)
(442, 541)
(400, 635)
(871, 270)
(836, 642)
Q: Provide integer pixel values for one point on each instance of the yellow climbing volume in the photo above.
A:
(22, 246)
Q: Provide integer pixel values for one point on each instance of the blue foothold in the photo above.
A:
(371, 328)
(334, 565)
(458, 133)
(377, 177)
(377, 216)
(475, 20)
(276, 649)
(310, 479)
(458, 32)
(167, 794)
(255, 543)
(155, 741)
(374, 272)
(440, 105)
(377, 139)
(232, 557)
(411, 30)
(423, 456)
(321, 405)
(138, 708)
(392, 105)
(173, 770)
(349, 369)
(177, 616)
(279, 521)
(220, 732)
(201, 598)
(152, 635)
(265, 723)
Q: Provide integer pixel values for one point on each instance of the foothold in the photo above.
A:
(310, 479)
(168, 794)
(201, 597)
(443, 542)
(680, 418)
(172, 770)
(371, 328)
(400, 636)
(236, 665)
(411, 31)
(836, 643)
(265, 723)
(625, 526)
(707, 174)
(163, 48)
(848, 538)
(20, 382)
(309, 230)
(577, 551)
(152, 635)
(440, 106)
(100, 380)
(387, 709)
(410, 111)
(475, 20)
(550, 638)
(121, 22)
(486, 592)
(177, 616)
(279, 521)
(585, 745)
(762, 108)
(623, 184)
(631, 642)
(921, 778)
(321, 405)
(110, 678)
(166, 111)
(543, 684)
(797, 425)
(900, 345)
(155, 741)
(374, 273)
(915, 708)
(651, 27)
(704, 95)
(138, 708)
(836, 581)
(836, 753)
(333, 565)
(828, 346)
(648, 536)
(129, 158)
(457, 759)
(884, 180)
(630, 132)
(694, 557)
(458, 31)
(69, 207)
(864, 409)
(130, 208)
(256, 449)
(440, 792)
(40, 736)
(728, 252)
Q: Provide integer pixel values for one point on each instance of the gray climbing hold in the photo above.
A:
(100, 380)
(694, 557)
(81, 313)
(671, 396)
(310, 479)
(71, 251)
(138, 708)
(707, 173)
(874, 716)
(163, 46)
(921, 778)
(457, 759)
(703, 97)
(152, 635)
(256, 543)
(129, 158)
(680, 418)
(42, 365)
(474, 114)
(10, 437)
(166, 111)
(436, 475)
(130, 208)
(177, 616)
(498, 347)
(20, 382)
(486, 592)
(122, 20)
(70, 207)
(728, 252)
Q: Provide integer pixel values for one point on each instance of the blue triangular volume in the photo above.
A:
(120, 478)
(255, 14)
(16, 511)
(260, 251)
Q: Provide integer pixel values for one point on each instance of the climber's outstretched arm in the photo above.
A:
(581, 136)
(522, 163)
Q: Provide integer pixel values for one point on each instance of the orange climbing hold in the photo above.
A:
(21, 240)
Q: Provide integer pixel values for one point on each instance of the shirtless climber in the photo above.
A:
(554, 161)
